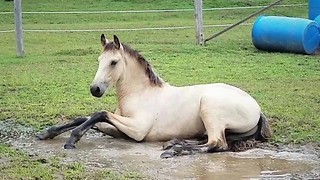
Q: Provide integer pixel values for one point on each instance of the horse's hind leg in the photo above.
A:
(215, 128)
(57, 130)
(178, 147)
(181, 147)
(169, 144)
(187, 149)
(214, 119)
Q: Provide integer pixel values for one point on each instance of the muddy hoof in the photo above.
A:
(218, 149)
(69, 146)
(44, 135)
(166, 155)
(41, 136)
(169, 144)
(47, 134)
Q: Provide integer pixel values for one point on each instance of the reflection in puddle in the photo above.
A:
(219, 166)
(145, 157)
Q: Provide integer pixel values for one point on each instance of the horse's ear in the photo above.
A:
(104, 41)
(116, 42)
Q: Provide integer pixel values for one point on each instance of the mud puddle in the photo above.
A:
(97, 151)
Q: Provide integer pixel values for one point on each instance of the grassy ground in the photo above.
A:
(51, 83)
(18, 165)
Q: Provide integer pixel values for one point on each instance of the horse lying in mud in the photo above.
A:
(216, 116)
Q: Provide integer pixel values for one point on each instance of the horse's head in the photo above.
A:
(111, 66)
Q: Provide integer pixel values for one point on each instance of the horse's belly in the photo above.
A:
(187, 129)
(180, 125)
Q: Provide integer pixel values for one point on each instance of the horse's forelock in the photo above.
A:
(109, 46)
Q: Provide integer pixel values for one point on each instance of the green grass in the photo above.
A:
(19, 165)
(51, 83)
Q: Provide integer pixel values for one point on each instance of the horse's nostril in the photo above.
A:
(97, 90)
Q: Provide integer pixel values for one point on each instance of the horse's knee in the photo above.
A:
(100, 114)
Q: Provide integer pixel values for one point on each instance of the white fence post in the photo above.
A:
(199, 21)
(18, 22)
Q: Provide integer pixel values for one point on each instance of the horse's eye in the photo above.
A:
(113, 63)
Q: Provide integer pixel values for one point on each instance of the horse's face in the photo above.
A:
(111, 66)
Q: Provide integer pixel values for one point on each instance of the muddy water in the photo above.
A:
(100, 152)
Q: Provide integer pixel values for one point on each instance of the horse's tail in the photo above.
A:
(264, 132)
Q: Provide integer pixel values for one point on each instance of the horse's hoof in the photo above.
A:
(69, 146)
(47, 134)
(218, 149)
(167, 145)
(166, 155)
(43, 136)
(40, 137)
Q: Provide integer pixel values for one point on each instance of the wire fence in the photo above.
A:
(137, 11)
(121, 29)
(151, 10)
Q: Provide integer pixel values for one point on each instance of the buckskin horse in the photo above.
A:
(192, 119)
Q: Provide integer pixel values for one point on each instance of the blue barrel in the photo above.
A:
(314, 9)
(317, 19)
(285, 34)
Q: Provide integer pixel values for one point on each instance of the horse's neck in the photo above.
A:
(134, 80)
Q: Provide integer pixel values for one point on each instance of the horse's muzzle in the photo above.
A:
(96, 91)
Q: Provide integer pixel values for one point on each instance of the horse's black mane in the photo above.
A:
(154, 79)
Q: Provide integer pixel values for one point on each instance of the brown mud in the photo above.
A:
(266, 162)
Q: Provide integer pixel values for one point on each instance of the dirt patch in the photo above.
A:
(269, 161)
(99, 152)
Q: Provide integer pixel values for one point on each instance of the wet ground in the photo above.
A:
(97, 151)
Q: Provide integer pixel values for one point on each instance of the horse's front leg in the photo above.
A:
(57, 130)
(135, 128)
(79, 131)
